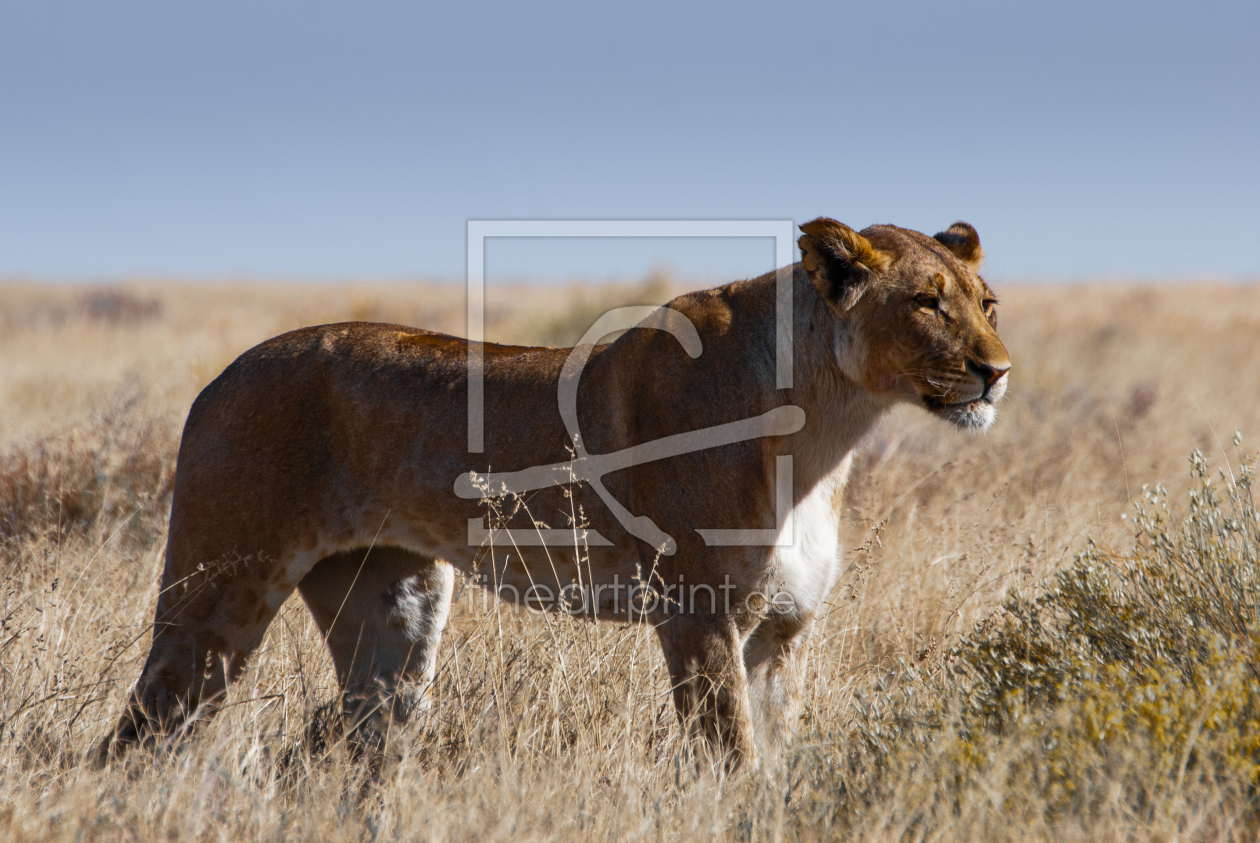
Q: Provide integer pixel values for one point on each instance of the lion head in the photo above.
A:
(915, 320)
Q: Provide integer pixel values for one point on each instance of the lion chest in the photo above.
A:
(803, 571)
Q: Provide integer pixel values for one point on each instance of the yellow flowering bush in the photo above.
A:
(1128, 686)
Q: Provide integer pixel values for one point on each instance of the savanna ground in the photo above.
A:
(960, 686)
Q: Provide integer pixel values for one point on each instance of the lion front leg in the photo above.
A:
(709, 684)
(774, 658)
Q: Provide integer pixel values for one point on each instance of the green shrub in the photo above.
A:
(1129, 686)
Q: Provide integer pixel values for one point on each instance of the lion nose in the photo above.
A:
(987, 373)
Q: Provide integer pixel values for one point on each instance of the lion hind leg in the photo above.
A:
(206, 626)
(382, 613)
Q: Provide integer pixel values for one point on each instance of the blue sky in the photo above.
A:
(325, 140)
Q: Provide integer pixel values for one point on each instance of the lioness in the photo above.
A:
(320, 443)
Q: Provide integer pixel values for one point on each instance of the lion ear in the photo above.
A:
(839, 260)
(961, 239)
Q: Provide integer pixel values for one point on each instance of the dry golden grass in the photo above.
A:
(546, 728)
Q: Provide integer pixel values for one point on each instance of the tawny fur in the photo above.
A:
(320, 443)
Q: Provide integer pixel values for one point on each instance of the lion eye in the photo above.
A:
(928, 301)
